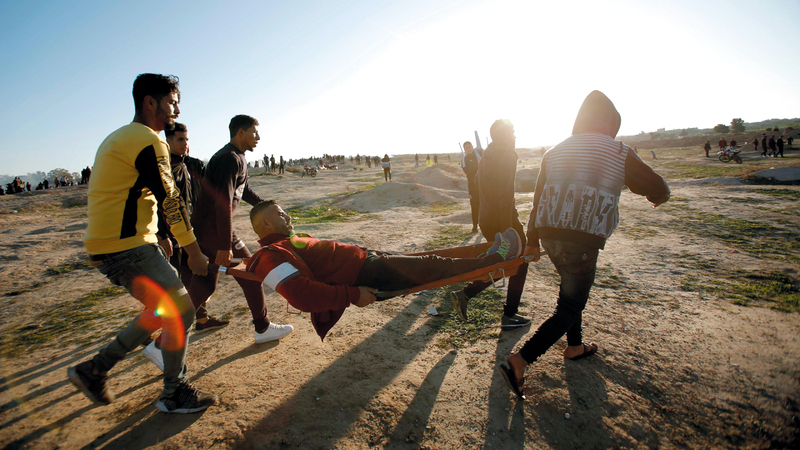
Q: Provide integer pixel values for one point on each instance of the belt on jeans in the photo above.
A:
(102, 256)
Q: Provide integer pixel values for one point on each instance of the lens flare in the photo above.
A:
(160, 312)
(298, 242)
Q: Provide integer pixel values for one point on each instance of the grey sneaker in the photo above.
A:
(460, 300)
(186, 399)
(211, 323)
(498, 241)
(91, 382)
(514, 248)
(514, 322)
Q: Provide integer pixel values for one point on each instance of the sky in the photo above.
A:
(385, 77)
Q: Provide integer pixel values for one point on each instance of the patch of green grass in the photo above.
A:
(622, 288)
(698, 171)
(774, 289)
(370, 217)
(365, 180)
(637, 232)
(605, 278)
(319, 214)
(65, 323)
(442, 209)
(68, 267)
(788, 211)
(785, 193)
(745, 200)
(449, 236)
(483, 317)
(754, 237)
(356, 190)
(29, 289)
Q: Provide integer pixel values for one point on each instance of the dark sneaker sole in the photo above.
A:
(163, 408)
(514, 325)
(204, 330)
(75, 379)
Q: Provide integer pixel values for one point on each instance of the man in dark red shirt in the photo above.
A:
(325, 277)
(498, 211)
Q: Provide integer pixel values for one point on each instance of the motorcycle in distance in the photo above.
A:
(310, 171)
(729, 154)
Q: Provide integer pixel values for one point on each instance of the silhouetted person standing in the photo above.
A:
(498, 211)
(469, 164)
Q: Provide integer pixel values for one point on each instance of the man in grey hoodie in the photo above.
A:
(575, 209)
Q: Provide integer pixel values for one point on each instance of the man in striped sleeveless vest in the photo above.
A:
(575, 209)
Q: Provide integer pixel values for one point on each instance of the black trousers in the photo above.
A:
(391, 272)
(577, 265)
(516, 283)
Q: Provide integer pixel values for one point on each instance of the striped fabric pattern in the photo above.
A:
(584, 177)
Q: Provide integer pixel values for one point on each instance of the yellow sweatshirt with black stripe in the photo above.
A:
(131, 179)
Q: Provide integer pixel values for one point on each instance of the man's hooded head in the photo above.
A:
(597, 115)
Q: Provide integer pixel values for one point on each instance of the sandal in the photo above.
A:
(592, 350)
(515, 384)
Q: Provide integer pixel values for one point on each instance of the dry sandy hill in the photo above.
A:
(432, 185)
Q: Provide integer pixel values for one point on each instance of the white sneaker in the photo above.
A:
(274, 332)
(154, 355)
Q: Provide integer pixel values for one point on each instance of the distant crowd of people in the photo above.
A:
(770, 147)
(17, 186)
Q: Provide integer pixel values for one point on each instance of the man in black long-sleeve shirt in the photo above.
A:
(224, 186)
(498, 211)
(188, 175)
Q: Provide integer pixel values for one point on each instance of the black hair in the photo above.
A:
(260, 207)
(177, 128)
(500, 128)
(241, 122)
(154, 85)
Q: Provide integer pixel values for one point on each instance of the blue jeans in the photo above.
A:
(577, 265)
(149, 261)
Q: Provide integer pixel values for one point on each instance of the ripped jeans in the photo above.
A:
(577, 265)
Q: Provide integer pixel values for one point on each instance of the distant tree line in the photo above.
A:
(737, 126)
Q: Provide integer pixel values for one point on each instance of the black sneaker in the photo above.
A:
(186, 399)
(514, 322)
(91, 382)
(210, 324)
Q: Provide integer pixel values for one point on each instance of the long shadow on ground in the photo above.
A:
(411, 427)
(318, 412)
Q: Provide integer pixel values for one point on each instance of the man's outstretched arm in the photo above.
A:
(643, 180)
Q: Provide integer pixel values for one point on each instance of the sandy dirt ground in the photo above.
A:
(676, 368)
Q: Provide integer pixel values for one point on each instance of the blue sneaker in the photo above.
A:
(511, 247)
(498, 240)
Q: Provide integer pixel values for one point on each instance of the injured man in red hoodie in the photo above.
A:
(325, 277)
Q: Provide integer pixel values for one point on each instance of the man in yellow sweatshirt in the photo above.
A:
(131, 181)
